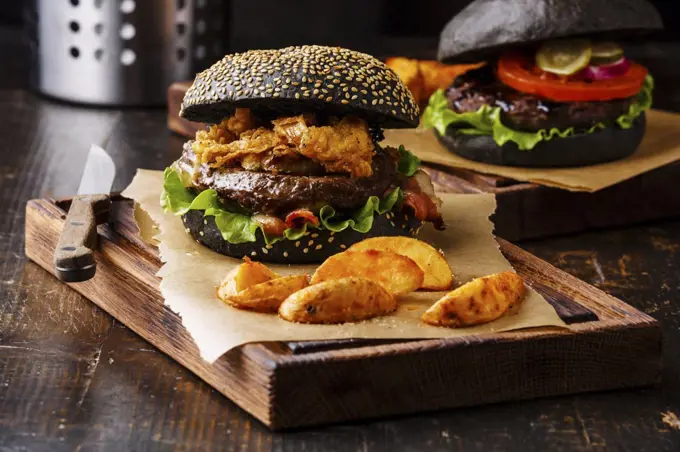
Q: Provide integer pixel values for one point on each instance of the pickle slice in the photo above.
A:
(606, 53)
(564, 57)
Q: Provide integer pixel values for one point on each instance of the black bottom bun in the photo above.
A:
(315, 247)
(606, 145)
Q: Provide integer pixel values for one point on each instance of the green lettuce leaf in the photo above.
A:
(643, 101)
(362, 219)
(239, 228)
(487, 120)
(175, 197)
(408, 163)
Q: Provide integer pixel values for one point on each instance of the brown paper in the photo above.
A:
(660, 146)
(191, 272)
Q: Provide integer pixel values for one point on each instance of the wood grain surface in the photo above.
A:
(72, 378)
(616, 346)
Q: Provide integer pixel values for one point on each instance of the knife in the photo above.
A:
(74, 256)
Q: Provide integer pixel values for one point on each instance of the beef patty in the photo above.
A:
(279, 194)
(526, 112)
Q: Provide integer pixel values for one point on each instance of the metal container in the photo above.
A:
(122, 52)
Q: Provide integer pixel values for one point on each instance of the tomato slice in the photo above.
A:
(515, 71)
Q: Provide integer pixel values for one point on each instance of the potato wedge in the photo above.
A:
(409, 73)
(338, 301)
(437, 75)
(396, 273)
(247, 274)
(438, 274)
(481, 300)
(266, 296)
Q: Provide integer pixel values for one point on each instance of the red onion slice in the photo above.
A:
(608, 71)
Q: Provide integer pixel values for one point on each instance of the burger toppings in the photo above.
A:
(564, 57)
(516, 71)
(271, 225)
(579, 59)
(526, 112)
(286, 206)
(299, 217)
(618, 68)
(341, 146)
(281, 193)
(420, 197)
(605, 53)
(568, 87)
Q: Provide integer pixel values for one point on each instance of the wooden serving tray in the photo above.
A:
(528, 210)
(609, 344)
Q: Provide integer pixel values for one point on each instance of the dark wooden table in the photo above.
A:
(72, 378)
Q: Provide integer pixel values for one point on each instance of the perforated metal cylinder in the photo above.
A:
(122, 52)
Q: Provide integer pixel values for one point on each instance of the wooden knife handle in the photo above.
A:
(74, 256)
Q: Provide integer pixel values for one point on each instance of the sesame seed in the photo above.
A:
(187, 230)
(265, 250)
(392, 223)
(205, 221)
(343, 246)
(330, 239)
(318, 247)
(306, 250)
(297, 244)
(315, 236)
(330, 70)
(285, 254)
(200, 233)
(310, 243)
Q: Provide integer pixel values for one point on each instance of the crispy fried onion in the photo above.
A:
(344, 146)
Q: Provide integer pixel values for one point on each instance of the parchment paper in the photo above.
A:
(191, 272)
(660, 146)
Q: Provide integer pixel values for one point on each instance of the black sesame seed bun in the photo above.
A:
(301, 79)
(316, 247)
(485, 27)
(606, 145)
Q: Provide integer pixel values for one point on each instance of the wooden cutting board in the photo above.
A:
(609, 345)
(528, 210)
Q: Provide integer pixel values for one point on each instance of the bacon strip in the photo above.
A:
(297, 218)
(270, 225)
(419, 196)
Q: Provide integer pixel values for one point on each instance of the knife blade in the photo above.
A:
(74, 259)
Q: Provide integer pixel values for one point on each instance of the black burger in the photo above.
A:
(291, 170)
(554, 88)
